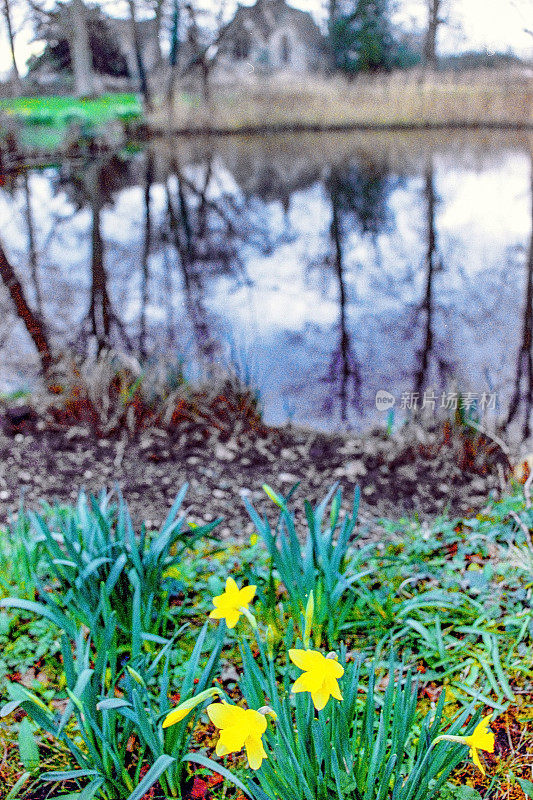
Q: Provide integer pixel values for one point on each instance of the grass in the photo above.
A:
(407, 98)
(43, 122)
(60, 111)
(451, 597)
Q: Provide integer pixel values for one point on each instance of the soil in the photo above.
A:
(417, 469)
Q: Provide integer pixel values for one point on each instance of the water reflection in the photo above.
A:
(328, 266)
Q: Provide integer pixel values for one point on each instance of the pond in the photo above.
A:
(322, 268)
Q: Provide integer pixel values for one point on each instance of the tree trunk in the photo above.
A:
(32, 248)
(430, 44)
(147, 246)
(174, 50)
(11, 37)
(143, 82)
(525, 357)
(80, 49)
(343, 354)
(100, 308)
(33, 325)
(431, 265)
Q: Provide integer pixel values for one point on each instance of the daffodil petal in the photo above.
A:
(231, 586)
(484, 736)
(308, 682)
(476, 760)
(247, 594)
(232, 617)
(320, 698)
(224, 715)
(255, 751)
(221, 749)
(335, 669)
(332, 686)
(307, 660)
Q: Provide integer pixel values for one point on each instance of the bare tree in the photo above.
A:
(74, 20)
(525, 9)
(432, 264)
(204, 42)
(147, 247)
(174, 48)
(436, 17)
(141, 69)
(344, 361)
(11, 37)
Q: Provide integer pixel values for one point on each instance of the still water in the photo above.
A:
(324, 268)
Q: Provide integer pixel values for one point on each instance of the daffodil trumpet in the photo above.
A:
(482, 738)
(181, 711)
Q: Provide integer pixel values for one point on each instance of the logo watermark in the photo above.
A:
(449, 401)
(384, 400)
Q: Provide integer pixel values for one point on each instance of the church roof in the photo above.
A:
(266, 15)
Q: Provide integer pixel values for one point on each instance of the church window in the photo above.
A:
(285, 50)
(241, 48)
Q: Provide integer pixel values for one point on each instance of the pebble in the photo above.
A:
(288, 477)
(223, 453)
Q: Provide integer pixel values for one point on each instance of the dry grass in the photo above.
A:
(407, 98)
(113, 394)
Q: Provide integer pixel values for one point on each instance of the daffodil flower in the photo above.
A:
(481, 739)
(240, 728)
(320, 676)
(233, 603)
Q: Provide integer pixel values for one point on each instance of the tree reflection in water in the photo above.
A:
(324, 256)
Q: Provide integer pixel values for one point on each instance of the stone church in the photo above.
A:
(271, 35)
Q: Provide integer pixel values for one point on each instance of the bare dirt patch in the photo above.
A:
(416, 470)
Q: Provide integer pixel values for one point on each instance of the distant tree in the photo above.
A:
(107, 58)
(525, 10)
(141, 69)
(74, 19)
(436, 18)
(173, 57)
(204, 32)
(360, 36)
(11, 37)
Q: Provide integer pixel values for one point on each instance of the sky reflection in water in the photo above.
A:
(324, 267)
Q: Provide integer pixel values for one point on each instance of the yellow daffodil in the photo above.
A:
(240, 727)
(232, 603)
(481, 739)
(181, 711)
(320, 677)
